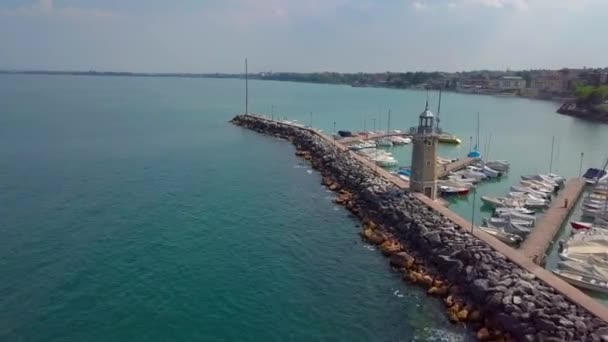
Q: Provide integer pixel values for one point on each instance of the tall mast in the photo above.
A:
(551, 159)
(438, 109)
(246, 88)
(477, 142)
(388, 122)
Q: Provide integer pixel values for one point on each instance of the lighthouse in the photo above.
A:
(424, 154)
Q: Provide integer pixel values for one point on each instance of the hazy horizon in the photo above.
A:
(158, 36)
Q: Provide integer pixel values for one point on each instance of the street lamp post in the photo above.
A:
(334, 133)
(580, 168)
(473, 211)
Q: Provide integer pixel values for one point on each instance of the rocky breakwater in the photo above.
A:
(500, 300)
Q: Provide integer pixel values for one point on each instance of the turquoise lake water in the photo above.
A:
(132, 211)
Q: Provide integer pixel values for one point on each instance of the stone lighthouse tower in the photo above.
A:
(424, 154)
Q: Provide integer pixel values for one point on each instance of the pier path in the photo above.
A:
(513, 255)
(547, 227)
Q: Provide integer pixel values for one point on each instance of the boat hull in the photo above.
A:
(572, 279)
(580, 225)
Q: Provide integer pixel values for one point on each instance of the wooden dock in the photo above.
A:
(515, 256)
(444, 170)
(539, 240)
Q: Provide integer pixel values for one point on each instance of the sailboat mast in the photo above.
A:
(388, 122)
(438, 110)
(477, 141)
(246, 88)
(488, 151)
(551, 159)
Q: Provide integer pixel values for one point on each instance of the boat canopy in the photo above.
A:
(474, 154)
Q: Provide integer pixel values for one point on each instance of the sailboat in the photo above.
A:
(475, 153)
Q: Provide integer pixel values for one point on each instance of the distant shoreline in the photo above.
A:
(253, 77)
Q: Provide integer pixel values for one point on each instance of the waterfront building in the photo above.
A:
(505, 83)
(550, 82)
(424, 154)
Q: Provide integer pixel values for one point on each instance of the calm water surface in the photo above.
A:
(130, 210)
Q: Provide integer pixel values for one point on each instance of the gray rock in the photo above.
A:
(525, 287)
(580, 326)
(545, 325)
(566, 323)
(506, 282)
(517, 300)
(495, 300)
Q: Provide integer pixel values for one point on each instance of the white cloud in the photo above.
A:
(518, 4)
(419, 6)
(47, 7)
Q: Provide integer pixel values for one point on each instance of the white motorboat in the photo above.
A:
(595, 213)
(584, 246)
(397, 140)
(540, 186)
(361, 145)
(460, 178)
(498, 165)
(384, 142)
(453, 183)
(542, 178)
(498, 202)
(384, 161)
(404, 177)
(499, 234)
(536, 204)
(517, 229)
(525, 196)
(518, 216)
(491, 172)
(518, 210)
(537, 194)
(582, 281)
(503, 222)
(473, 174)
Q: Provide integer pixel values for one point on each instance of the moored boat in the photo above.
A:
(503, 222)
(447, 138)
(451, 190)
(580, 225)
(498, 165)
(538, 194)
(593, 175)
(384, 142)
(582, 281)
(518, 210)
(499, 234)
(518, 216)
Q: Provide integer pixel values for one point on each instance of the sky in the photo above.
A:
(302, 35)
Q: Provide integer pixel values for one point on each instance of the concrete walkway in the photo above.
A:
(567, 290)
(539, 240)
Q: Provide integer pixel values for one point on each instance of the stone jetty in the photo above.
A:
(500, 300)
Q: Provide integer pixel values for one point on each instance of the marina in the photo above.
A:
(544, 237)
